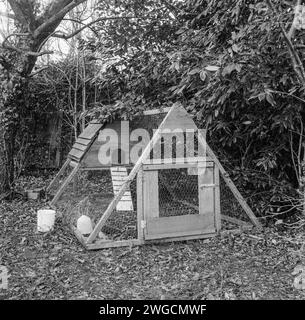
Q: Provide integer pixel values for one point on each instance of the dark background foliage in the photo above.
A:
(251, 106)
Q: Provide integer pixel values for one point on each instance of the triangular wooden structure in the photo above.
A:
(167, 229)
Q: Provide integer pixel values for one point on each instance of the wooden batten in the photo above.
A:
(235, 220)
(217, 199)
(140, 209)
(104, 244)
(151, 194)
(178, 226)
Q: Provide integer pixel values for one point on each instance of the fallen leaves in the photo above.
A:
(55, 266)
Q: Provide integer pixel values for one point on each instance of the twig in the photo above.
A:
(66, 37)
(296, 61)
(56, 17)
(13, 48)
(38, 71)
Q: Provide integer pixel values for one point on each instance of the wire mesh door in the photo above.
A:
(179, 200)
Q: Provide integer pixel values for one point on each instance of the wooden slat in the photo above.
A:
(104, 244)
(116, 189)
(168, 146)
(179, 226)
(188, 160)
(234, 220)
(73, 163)
(182, 238)
(90, 131)
(124, 206)
(83, 141)
(61, 171)
(119, 174)
(120, 169)
(206, 195)
(125, 199)
(112, 131)
(151, 195)
(119, 179)
(177, 166)
(64, 185)
(126, 195)
(79, 146)
(140, 208)
(190, 143)
(76, 154)
(100, 168)
(117, 183)
(217, 199)
(157, 151)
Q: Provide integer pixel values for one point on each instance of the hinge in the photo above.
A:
(143, 224)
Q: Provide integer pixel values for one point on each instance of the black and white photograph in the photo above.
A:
(152, 155)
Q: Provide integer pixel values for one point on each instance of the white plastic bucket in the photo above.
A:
(45, 220)
(84, 225)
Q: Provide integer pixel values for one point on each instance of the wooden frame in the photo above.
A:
(182, 225)
(176, 115)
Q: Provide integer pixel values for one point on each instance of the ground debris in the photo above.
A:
(251, 265)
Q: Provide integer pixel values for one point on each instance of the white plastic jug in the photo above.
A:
(45, 220)
(84, 225)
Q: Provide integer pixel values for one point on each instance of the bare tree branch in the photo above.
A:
(24, 12)
(27, 53)
(292, 30)
(66, 37)
(38, 71)
(295, 58)
(7, 46)
(62, 8)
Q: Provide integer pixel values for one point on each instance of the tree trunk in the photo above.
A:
(12, 107)
(17, 59)
(8, 130)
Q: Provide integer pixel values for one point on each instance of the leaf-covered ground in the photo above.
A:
(54, 265)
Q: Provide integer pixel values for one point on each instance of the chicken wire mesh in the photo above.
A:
(122, 225)
(178, 192)
(229, 206)
(178, 195)
(90, 194)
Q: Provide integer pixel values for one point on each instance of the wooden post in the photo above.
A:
(63, 186)
(140, 213)
(217, 199)
(60, 172)
(151, 194)
(206, 190)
